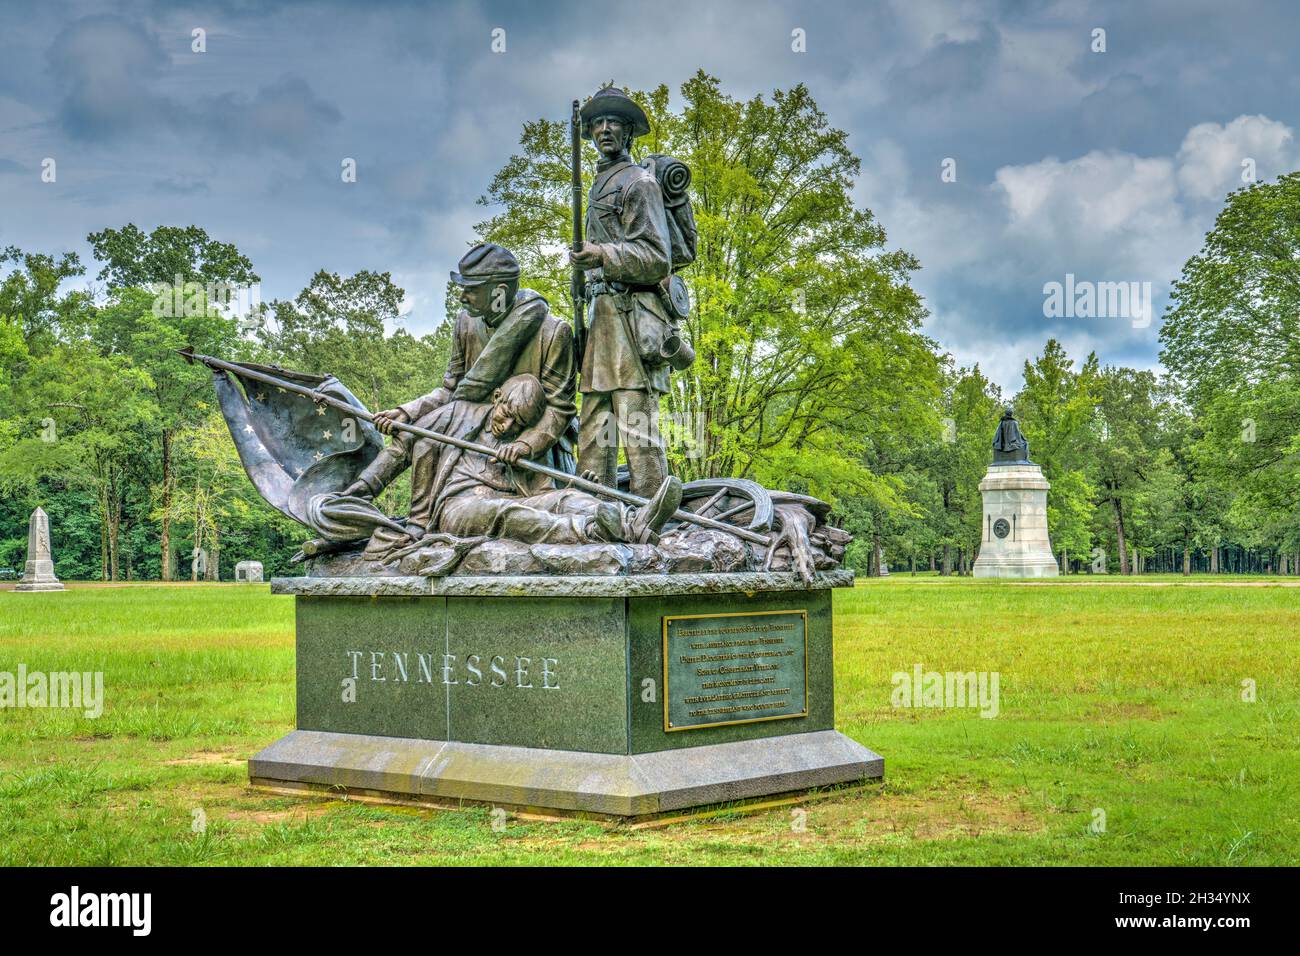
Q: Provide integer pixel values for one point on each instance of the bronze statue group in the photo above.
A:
(514, 372)
(498, 450)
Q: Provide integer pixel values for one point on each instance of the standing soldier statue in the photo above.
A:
(633, 311)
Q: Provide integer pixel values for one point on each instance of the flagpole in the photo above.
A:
(565, 478)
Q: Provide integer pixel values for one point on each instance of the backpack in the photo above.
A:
(674, 179)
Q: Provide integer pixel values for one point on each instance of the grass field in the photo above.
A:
(1116, 698)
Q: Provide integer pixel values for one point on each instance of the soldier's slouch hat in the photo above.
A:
(612, 100)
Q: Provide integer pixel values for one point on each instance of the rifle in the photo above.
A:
(562, 478)
(579, 275)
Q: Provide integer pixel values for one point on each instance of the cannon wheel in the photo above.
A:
(714, 498)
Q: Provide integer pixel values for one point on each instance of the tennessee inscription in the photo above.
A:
(514, 672)
(735, 668)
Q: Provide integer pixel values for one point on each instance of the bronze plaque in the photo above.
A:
(722, 669)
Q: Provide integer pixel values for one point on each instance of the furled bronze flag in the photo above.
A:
(298, 453)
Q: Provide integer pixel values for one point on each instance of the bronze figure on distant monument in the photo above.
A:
(1010, 447)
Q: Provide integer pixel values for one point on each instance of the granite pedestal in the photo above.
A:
(623, 696)
(1015, 542)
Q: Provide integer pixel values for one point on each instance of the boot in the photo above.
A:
(607, 525)
(643, 524)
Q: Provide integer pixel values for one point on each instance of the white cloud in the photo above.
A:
(1211, 157)
(1115, 215)
(1107, 215)
(1105, 194)
(1104, 215)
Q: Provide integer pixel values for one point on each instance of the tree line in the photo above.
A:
(812, 374)
(121, 441)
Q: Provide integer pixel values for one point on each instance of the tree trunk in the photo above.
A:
(197, 554)
(130, 556)
(165, 542)
(947, 560)
(1214, 558)
(114, 527)
(103, 546)
(214, 557)
(1187, 555)
(1119, 536)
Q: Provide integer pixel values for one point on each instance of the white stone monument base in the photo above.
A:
(1030, 563)
(39, 576)
(1016, 495)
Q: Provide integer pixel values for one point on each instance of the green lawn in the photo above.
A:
(1119, 698)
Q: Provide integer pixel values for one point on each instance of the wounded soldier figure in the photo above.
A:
(468, 494)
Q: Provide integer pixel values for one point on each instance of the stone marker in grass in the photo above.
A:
(39, 573)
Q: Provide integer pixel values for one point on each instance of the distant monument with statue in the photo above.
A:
(1015, 543)
(39, 573)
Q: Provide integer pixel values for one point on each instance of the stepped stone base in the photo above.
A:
(614, 785)
(622, 696)
(39, 576)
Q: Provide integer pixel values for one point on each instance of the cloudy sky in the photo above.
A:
(1108, 166)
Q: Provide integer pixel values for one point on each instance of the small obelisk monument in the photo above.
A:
(39, 574)
(1015, 542)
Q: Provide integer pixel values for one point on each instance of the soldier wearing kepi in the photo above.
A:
(627, 255)
(503, 331)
